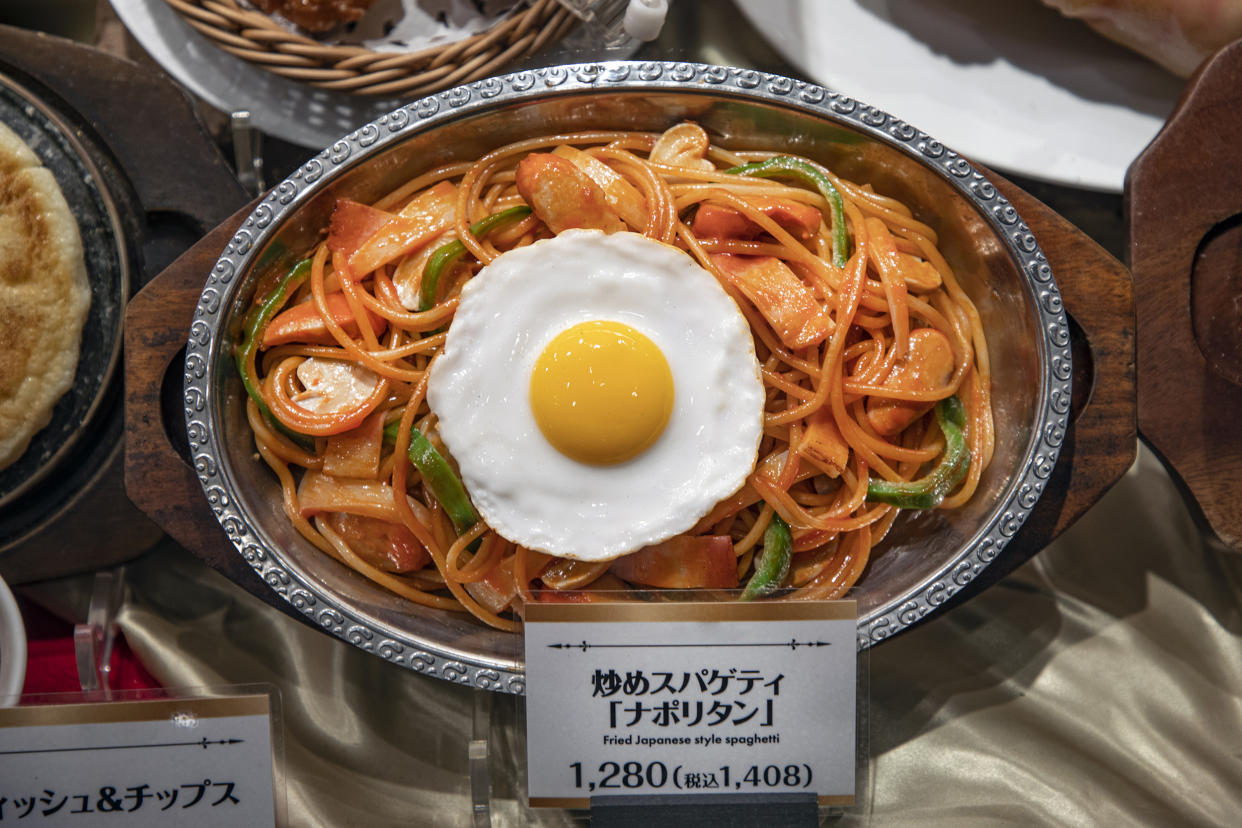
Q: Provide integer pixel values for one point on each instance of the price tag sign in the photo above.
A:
(165, 762)
(690, 698)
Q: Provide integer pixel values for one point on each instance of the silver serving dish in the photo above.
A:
(925, 560)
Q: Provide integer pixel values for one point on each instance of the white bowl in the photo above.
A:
(12, 648)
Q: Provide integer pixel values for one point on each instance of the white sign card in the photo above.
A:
(690, 698)
(164, 762)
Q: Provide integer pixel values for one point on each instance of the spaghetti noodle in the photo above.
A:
(873, 359)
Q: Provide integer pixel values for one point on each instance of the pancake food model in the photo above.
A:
(44, 295)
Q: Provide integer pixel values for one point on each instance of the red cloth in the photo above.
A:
(52, 666)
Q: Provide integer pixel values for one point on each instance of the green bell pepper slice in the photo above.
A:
(256, 322)
(780, 166)
(928, 491)
(446, 487)
(773, 564)
(448, 253)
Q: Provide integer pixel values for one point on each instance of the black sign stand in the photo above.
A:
(776, 810)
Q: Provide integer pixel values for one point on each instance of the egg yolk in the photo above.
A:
(601, 392)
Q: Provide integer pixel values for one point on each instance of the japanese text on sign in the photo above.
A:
(109, 799)
(184, 762)
(650, 699)
(688, 707)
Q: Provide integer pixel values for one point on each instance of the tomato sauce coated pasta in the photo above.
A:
(873, 361)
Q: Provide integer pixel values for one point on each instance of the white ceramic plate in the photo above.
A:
(286, 109)
(1013, 85)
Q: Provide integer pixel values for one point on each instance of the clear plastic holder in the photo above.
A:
(93, 639)
(478, 754)
(654, 810)
(247, 152)
(615, 23)
(187, 710)
(603, 20)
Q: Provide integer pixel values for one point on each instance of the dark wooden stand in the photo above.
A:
(1099, 448)
(1184, 217)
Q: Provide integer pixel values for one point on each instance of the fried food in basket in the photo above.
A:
(317, 16)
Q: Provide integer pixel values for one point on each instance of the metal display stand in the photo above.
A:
(775, 810)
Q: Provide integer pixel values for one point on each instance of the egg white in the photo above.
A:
(480, 390)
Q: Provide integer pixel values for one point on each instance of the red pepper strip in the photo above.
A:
(683, 562)
(302, 323)
(783, 165)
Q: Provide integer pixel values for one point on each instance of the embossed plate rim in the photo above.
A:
(435, 658)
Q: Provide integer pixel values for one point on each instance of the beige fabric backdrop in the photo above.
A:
(1101, 684)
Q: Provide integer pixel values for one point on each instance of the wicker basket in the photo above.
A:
(256, 38)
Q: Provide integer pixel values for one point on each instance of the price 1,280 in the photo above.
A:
(657, 775)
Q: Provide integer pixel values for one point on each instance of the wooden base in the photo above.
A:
(1184, 222)
(158, 474)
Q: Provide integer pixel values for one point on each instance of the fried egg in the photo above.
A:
(599, 393)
